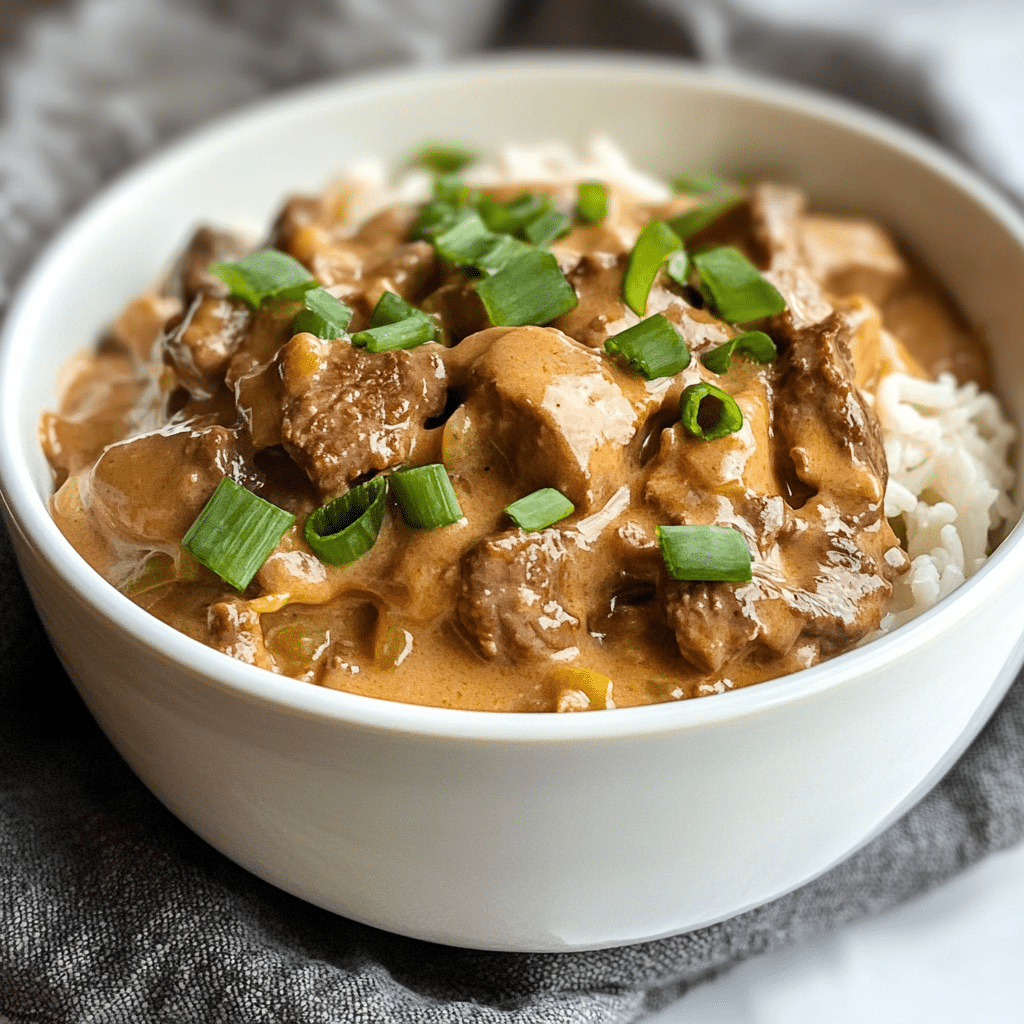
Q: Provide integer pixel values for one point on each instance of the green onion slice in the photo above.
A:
(548, 226)
(348, 526)
(435, 218)
(322, 314)
(528, 289)
(465, 241)
(426, 497)
(511, 218)
(445, 159)
(453, 190)
(395, 323)
(266, 276)
(704, 184)
(469, 243)
(652, 347)
(735, 287)
(235, 532)
(692, 410)
(592, 201)
(392, 309)
(755, 344)
(405, 334)
(717, 554)
(540, 509)
(653, 247)
(501, 250)
(678, 268)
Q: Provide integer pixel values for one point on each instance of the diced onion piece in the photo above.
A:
(547, 227)
(235, 532)
(426, 497)
(713, 554)
(445, 159)
(322, 314)
(653, 347)
(592, 201)
(348, 526)
(540, 509)
(735, 286)
(730, 417)
(653, 247)
(529, 289)
(565, 679)
(755, 344)
(266, 276)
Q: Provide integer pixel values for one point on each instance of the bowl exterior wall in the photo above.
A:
(538, 842)
(601, 843)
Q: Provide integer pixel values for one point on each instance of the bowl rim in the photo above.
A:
(27, 515)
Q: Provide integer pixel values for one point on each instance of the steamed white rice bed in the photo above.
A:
(947, 446)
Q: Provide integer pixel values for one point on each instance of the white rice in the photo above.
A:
(950, 478)
(947, 446)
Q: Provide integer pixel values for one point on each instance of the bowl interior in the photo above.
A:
(668, 117)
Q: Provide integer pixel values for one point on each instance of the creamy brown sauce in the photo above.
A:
(191, 384)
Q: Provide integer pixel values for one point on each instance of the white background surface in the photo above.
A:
(954, 956)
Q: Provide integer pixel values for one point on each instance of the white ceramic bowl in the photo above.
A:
(540, 832)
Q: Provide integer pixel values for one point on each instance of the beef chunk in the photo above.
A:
(201, 344)
(559, 414)
(347, 412)
(823, 566)
(192, 276)
(518, 599)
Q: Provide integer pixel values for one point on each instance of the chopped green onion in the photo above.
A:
(755, 344)
(652, 347)
(453, 190)
(435, 218)
(235, 532)
(655, 244)
(687, 224)
(592, 201)
(703, 184)
(735, 286)
(544, 229)
(395, 323)
(469, 243)
(717, 554)
(392, 309)
(691, 410)
(322, 315)
(426, 497)
(678, 268)
(410, 333)
(266, 276)
(502, 249)
(465, 242)
(512, 217)
(528, 289)
(348, 526)
(444, 159)
(540, 509)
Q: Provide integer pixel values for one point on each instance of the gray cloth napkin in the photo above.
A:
(110, 909)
